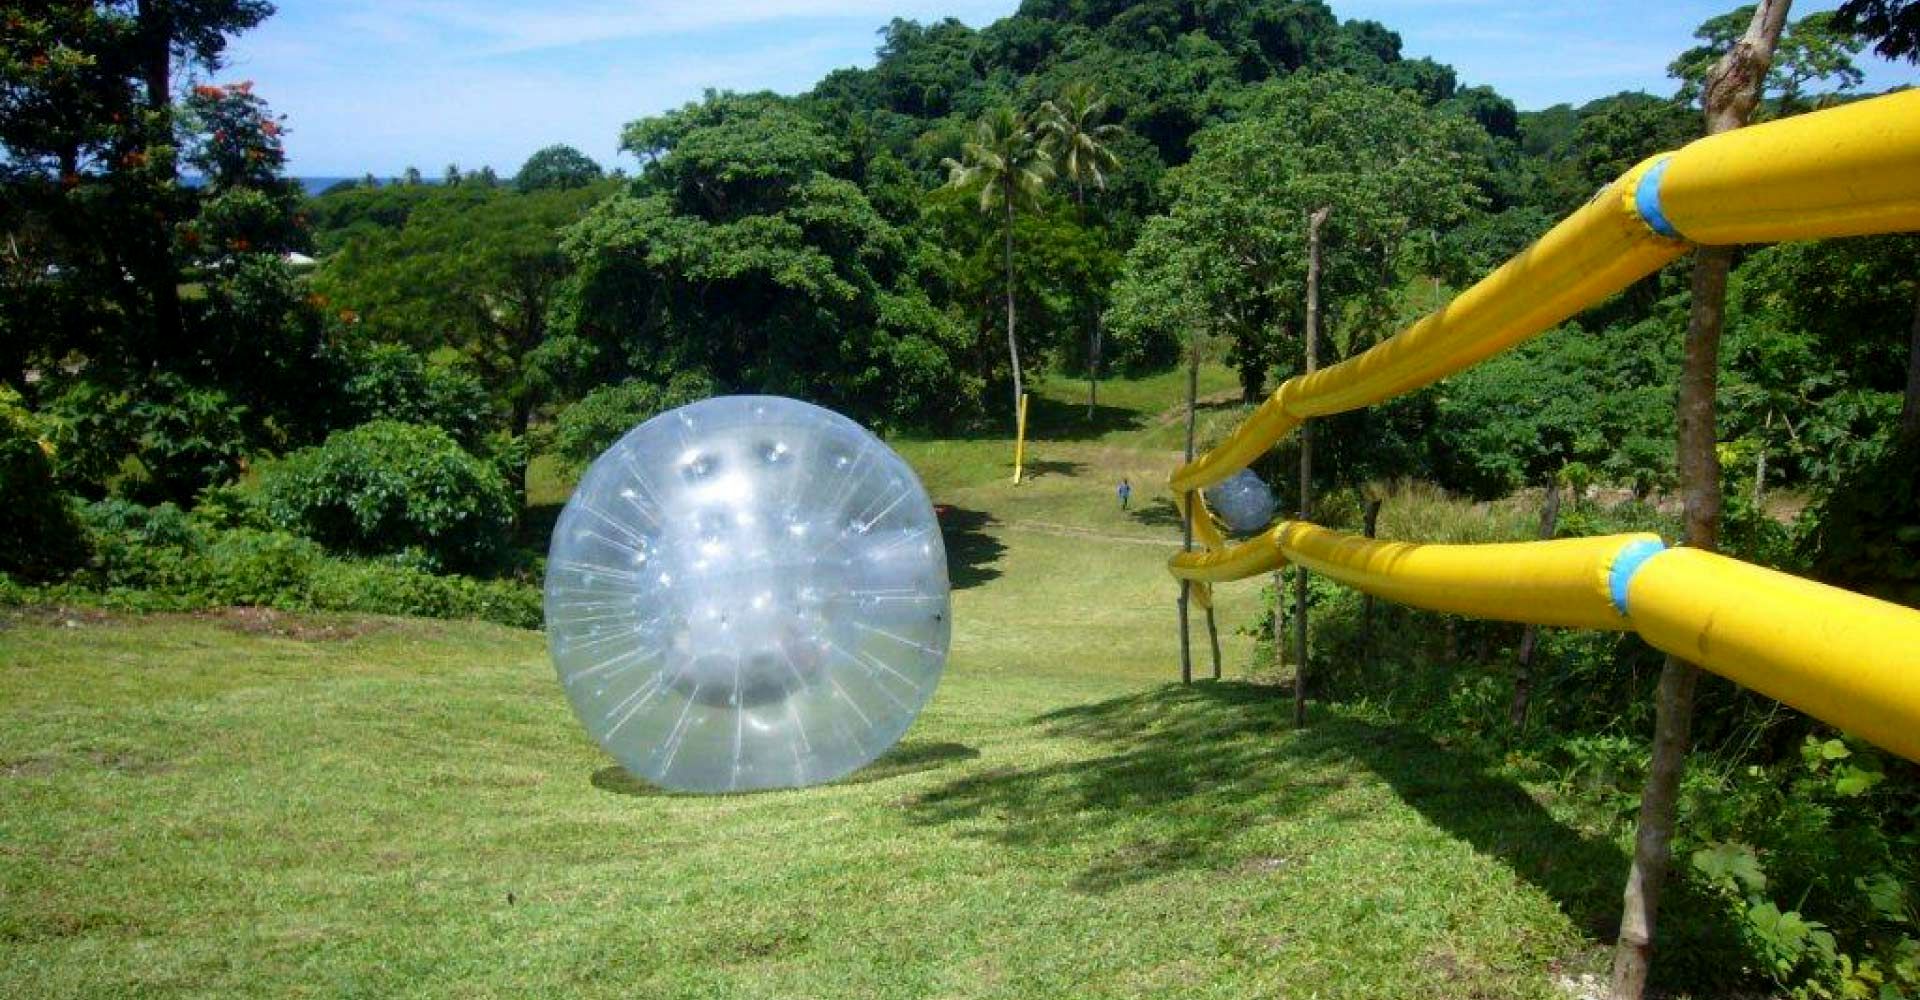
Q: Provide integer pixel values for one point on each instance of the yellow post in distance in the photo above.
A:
(1020, 438)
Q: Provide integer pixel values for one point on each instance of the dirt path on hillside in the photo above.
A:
(1069, 531)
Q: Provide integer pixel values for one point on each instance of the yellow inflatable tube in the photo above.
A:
(1851, 170)
(1597, 251)
(1561, 582)
(1840, 657)
(1847, 171)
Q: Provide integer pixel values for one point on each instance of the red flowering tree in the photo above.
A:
(234, 141)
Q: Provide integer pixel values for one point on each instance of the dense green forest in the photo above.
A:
(1082, 189)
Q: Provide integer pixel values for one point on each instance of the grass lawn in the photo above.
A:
(259, 804)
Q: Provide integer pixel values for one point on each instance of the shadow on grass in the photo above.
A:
(973, 556)
(1157, 513)
(1063, 420)
(1036, 468)
(910, 757)
(1210, 761)
(1200, 765)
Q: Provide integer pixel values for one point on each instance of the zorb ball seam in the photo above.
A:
(747, 592)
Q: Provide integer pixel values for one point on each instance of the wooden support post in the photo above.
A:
(1369, 528)
(1312, 337)
(1523, 669)
(1213, 637)
(1732, 91)
(1187, 507)
(1279, 620)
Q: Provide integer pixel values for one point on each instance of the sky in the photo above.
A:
(380, 85)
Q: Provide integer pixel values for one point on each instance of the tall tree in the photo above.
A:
(1731, 92)
(1083, 147)
(1816, 49)
(1892, 25)
(557, 167)
(1009, 163)
(170, 33)
(1384, 164)
(1311, 340)
(474, 269)
(87, 121)
(740, 252)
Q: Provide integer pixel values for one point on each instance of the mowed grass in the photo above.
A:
(248, 804)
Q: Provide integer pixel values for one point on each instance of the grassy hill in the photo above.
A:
(251, 803)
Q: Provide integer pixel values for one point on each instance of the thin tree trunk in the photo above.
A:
(1093, 332)
(1213, 637)
(1523, 669)
(1314, 222)
(1279, 620)
(1732, 91)
(1013, 343)
(1760, 464)
(1910, 408)
(522, 422)
(1369, 528)
(1186, 520)
(1093, 367)
(158, 271)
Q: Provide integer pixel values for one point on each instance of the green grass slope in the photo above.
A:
(253, 804)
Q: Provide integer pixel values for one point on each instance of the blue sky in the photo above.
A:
(377, 85)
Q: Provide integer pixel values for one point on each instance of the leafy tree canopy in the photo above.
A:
(1815, 49)
(556, 167)
(742, 252)
(1387, 167)
(1892, 25)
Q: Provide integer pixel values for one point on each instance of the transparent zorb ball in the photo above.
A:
(1242, 501)
(747, 592)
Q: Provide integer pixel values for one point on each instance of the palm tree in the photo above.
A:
(1010, 162)
(1084, 155)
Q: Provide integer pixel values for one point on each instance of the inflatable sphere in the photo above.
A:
(1242, 501)
(748, 592)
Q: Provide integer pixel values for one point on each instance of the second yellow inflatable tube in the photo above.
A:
(1840, 657)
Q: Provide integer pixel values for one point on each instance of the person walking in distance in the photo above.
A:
(1124, 492)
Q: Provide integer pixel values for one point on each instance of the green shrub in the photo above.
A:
(374, 588)
(393, 382)
(140, 547)
(163, 559)
(260, 568)
(162, 438)
(593, 424)
(39, 537)
(386, 488)
(1864, 533)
